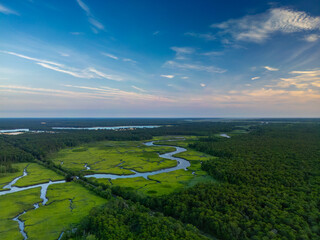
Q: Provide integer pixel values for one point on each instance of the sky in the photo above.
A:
(159, 58)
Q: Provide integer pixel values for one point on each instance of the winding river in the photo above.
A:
(182, 164)
(43, 196)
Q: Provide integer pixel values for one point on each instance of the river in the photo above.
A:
(181, 164)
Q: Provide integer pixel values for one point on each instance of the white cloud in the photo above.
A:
(312, 37)
(302, 80)
(187, 66)
(202, 85)
(6, 10)
(271, 68)
(257, 28)
(102, 93)
(84, 7)
(213, 53)
(255, 78)
(92, 20)
(33, 59)
(103, 75)
(79, 73)
(129, 60)
(156, 33)
(75, 74)
(184, 77)
(205, 36)
(96, 23)
(64, 54)
(182, 51)
(139, 89)
(110, 56)
(167, 76)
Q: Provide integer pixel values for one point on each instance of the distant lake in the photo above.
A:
(14, 130)
(101, 128)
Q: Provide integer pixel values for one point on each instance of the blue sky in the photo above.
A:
(142, 58)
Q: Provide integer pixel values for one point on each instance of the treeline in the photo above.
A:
(40, 144)
(30, 146)
(120, 219)
(269, 186)
(10, 154)
(48, 123)
(197, 128)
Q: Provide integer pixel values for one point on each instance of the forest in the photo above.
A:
(267, 183)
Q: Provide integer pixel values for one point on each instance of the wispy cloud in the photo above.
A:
(110, 55)
(33, 59)
(156, 33)
(312, 38)
(64, 54)
(103, 75)
(87, 92)
(181, 52)
(197, 67)
(205, 36)
(6, 10)
(271, 68)
(92, 20)
(202, 84)
(139, 89)
(255, 78)
(302, 79)
(167, 76)
(119, 58)
(257, 28)
(76, 33)
(129, 60)
(88, 73)
(212, 53)
(123, 95)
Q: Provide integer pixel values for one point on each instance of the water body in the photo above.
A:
(87, 167)
(43, 194)
(182, 164)
(224, 135)
(102, 128)
(43, 186)
(25, 173)
(14, 130)
(21, 225)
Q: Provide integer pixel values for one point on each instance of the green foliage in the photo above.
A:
(122, 220)
(68, 204)
(116, 157)
(7, 177)
(37, 174)
(269, 185)
(12, 205)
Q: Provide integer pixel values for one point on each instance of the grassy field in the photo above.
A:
(119, 157)
(163, 183)
(12, 205)
(6, 178)
(114, 157)
(166, 183)
(37, 174)
(68, 204)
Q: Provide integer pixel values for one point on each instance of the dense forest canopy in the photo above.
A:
(269, 185)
